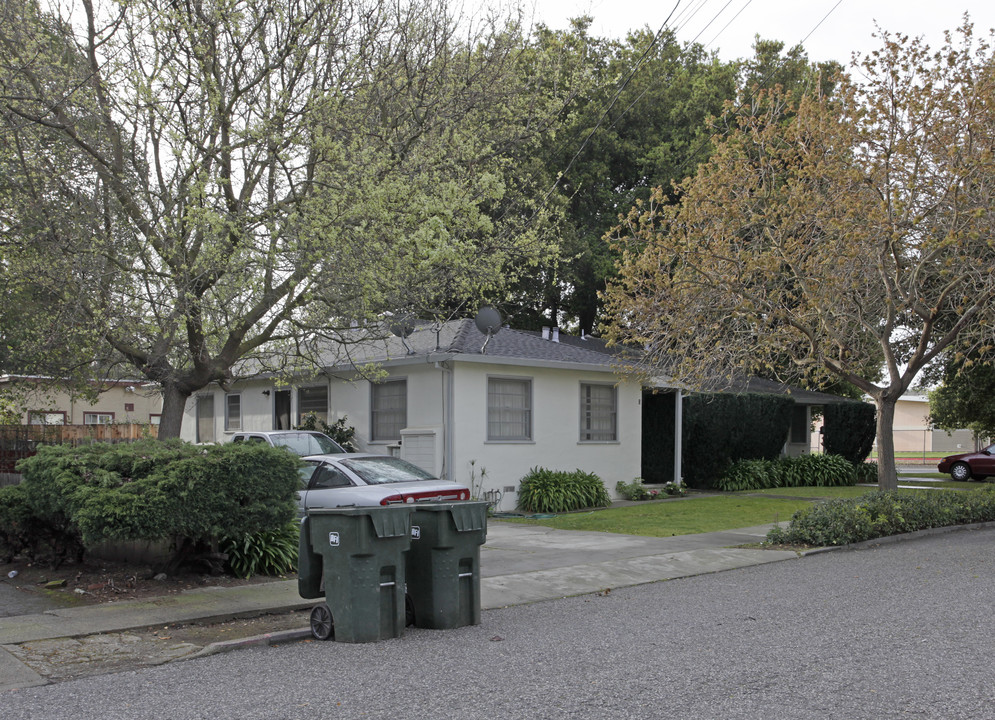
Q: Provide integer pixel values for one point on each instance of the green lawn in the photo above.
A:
(708, 513)
(678, 517)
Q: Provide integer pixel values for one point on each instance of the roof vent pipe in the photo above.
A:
(556, 334)
(545, 333)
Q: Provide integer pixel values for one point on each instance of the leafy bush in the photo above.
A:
(263, 553)
(802, 471)
(818, 470)
(848, 430)
(344, 435)
(879, 514)
(21, 533)
(866, 472)
(633, 490)
(720, 429)
(152, 490)
(749, 475)
(637, 491)
(547, 491)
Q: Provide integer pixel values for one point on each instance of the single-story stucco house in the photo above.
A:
(478, 409)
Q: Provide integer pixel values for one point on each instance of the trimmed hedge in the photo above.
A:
(802, 471)
(552, 491)
(879, 514)
(849, 429)
(720, 429)
(155, 490)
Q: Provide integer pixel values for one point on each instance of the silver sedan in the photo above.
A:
(349, 479)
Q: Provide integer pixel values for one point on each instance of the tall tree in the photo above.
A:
(964, 400)
(205, 187)
(830, 233)
(642, 107)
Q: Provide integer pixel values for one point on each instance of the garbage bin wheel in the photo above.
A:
(409, 611)
(322, 626)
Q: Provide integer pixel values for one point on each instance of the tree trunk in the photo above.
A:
(174, 401)
(887, 474)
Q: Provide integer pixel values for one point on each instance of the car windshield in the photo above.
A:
(386, 469)
(305, 443)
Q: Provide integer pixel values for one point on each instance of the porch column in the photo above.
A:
(678, 434)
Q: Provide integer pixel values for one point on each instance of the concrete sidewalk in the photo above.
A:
(519, 564)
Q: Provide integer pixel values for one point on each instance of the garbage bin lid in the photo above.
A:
(469, 516)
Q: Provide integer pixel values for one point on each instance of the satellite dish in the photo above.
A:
(402, 327)
(488, 322)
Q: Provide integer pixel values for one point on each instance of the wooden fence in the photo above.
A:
(21, 441)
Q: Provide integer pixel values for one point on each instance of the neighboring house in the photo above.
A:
(119, 401)
(458, 404)
(914, 434)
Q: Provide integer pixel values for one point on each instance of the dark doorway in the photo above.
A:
(281, 410)
(658, 437)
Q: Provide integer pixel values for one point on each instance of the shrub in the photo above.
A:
(802, 471)
(878, 514)
(344, 435)
(152, 490)
(866, 472)
(633, 490)
(547, 491)
(263, 553)
(21, 533)
(749, 475)
(848, 430)
(819, 470)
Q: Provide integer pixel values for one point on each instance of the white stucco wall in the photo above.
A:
(556, 429)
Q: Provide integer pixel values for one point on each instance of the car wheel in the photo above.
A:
(322, 627)
(960, 471)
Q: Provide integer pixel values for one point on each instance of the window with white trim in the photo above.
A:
(598, 413)
(98, 418)
(509, 408)
(233, 412)
(388, 410)
(313, 400)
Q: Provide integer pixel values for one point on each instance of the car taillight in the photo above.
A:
(392, 500)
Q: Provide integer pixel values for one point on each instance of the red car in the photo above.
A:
(969, 466)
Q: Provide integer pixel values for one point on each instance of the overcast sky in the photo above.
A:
(716, 24)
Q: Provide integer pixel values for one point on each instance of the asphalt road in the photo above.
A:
(903, 630)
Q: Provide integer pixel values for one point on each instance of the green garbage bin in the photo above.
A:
(443, 570)
(362, 551)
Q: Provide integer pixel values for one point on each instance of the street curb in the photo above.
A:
(266, 639)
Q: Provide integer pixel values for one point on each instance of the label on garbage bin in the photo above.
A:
(333, 539)
(415, 532)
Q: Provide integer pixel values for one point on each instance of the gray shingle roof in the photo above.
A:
(508, 343)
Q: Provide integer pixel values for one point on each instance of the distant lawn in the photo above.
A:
(687, 516)
(710, 513)
(846, 492)
(815, 492)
